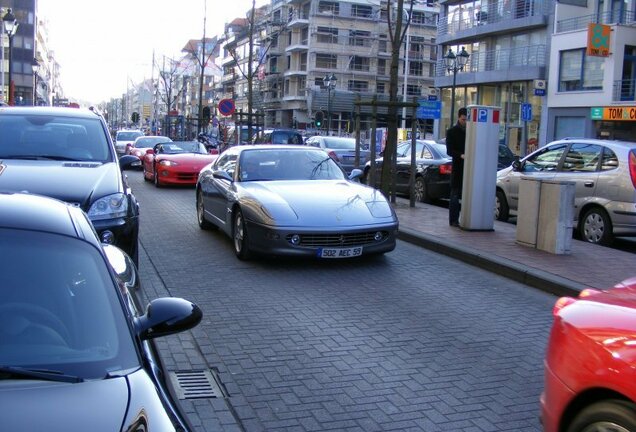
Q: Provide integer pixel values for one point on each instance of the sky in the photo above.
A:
(104, 46)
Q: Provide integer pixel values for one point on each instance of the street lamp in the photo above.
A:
(455, 63)
(36, 67)
(10, 27)
(330, 82)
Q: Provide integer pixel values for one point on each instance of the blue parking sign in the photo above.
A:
(526, 112)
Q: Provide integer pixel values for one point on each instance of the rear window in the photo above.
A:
(128, 136)
(285, 137)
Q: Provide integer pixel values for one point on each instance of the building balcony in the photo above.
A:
(518, 64)
(581, 22)
(298, 20)
(624, 91)
(298, 46)
(502, 17)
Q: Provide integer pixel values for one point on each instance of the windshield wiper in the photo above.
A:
(38, 157)
(7, 372)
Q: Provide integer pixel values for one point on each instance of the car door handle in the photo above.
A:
(588, 184)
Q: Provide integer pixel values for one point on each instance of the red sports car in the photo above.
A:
(590, 363)
(176, 163)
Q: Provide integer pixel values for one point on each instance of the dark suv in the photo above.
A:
(68, 154)
(280, 136)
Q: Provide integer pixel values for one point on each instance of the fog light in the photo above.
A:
(295, 239)
(108, 237)
(272, 236)
(378, 236)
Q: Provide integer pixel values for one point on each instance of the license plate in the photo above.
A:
(339, 252)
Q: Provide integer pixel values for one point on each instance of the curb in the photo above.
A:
(536, 278)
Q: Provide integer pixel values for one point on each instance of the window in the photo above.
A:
(547, 160)
(326, 61)
(327, 35)
(382, 67)
(359, 38)
(380, 88)
(382, 44)
(359, 64)
(609, 161)
(416, 68)
(582, 158)
(358, 86)
(361, 11)
(580, 72)
(424, 18)
(329, 8)
(413, 90)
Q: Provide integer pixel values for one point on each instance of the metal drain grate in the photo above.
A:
(196, 384)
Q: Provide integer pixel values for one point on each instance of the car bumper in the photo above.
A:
(173, 177)
(623, 216)
(555, 397)
(273, 240)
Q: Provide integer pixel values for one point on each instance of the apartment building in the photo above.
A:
(303, 41)
(592, 80)
(508, 46)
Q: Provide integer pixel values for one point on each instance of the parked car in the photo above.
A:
(125, 137)
(341, 149)
(68, 154)
(176, 162)
(590, 361)
(505, 156)
(432, 176)
(280, 136)
(604, 173)
(292, 200)
(75, 347)
(141, 144)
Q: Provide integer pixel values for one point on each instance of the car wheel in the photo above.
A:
(421, 192)
(203, 223)
(156, 178)
(502, 211)
(239, 234)
(596, 227)
(612, 415)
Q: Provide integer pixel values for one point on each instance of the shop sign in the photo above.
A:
(624, 113)
(598, 40)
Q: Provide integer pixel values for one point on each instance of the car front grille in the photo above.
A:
(338, 240)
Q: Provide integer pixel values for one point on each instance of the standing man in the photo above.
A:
(455, 146)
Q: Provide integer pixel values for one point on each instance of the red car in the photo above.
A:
(590, 363)
(176, 163)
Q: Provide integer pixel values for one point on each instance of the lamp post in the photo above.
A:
(10, 27)
(36, 67)
(330, 82)
(455, 63)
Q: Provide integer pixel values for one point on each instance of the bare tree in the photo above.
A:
(169, 78)
(397, 34)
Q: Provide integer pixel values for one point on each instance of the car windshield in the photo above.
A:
(287, 164)
(64, 317)
(148, 142)
(178, 147)
(128, 136)
(53, 137)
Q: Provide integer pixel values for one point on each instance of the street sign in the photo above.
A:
(432, 97)
(539, 92)
(526, 112)
(226, 107)
(429, 109)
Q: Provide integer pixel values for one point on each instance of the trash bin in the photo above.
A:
(546, 214)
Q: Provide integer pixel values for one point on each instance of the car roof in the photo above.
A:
(618, 143)
(274, 147)
(47, 110)
(38, 213)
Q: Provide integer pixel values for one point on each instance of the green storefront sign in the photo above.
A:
(596, 113)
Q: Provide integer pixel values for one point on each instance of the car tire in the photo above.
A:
(203, 223)
(596, 227)
(502, 210)
(239, 236)
(619, 414)
(421, 191)
(156, 178)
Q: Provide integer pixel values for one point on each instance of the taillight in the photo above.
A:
(334, 156)
(566, 301)
(445, 169)
(632, 166)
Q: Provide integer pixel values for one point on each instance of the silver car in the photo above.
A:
(292, 200)
(125, 137)
(342, 149)
(604, 173)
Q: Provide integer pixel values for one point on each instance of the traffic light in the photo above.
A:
(134, 117)
(318, 118)
(206, 115)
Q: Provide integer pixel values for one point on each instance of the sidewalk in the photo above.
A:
(587, 265)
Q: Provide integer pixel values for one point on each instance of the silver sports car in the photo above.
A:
(291, 200)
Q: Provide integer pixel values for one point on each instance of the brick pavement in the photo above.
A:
(587, 265)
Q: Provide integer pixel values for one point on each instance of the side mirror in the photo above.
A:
(167, 315)
(355, 173)
(517, 165)
(221, 174)
(129, 161)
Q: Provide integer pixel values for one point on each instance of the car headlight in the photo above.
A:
(109, 207)
(168, 163)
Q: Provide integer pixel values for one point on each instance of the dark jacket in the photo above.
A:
(455, 147)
